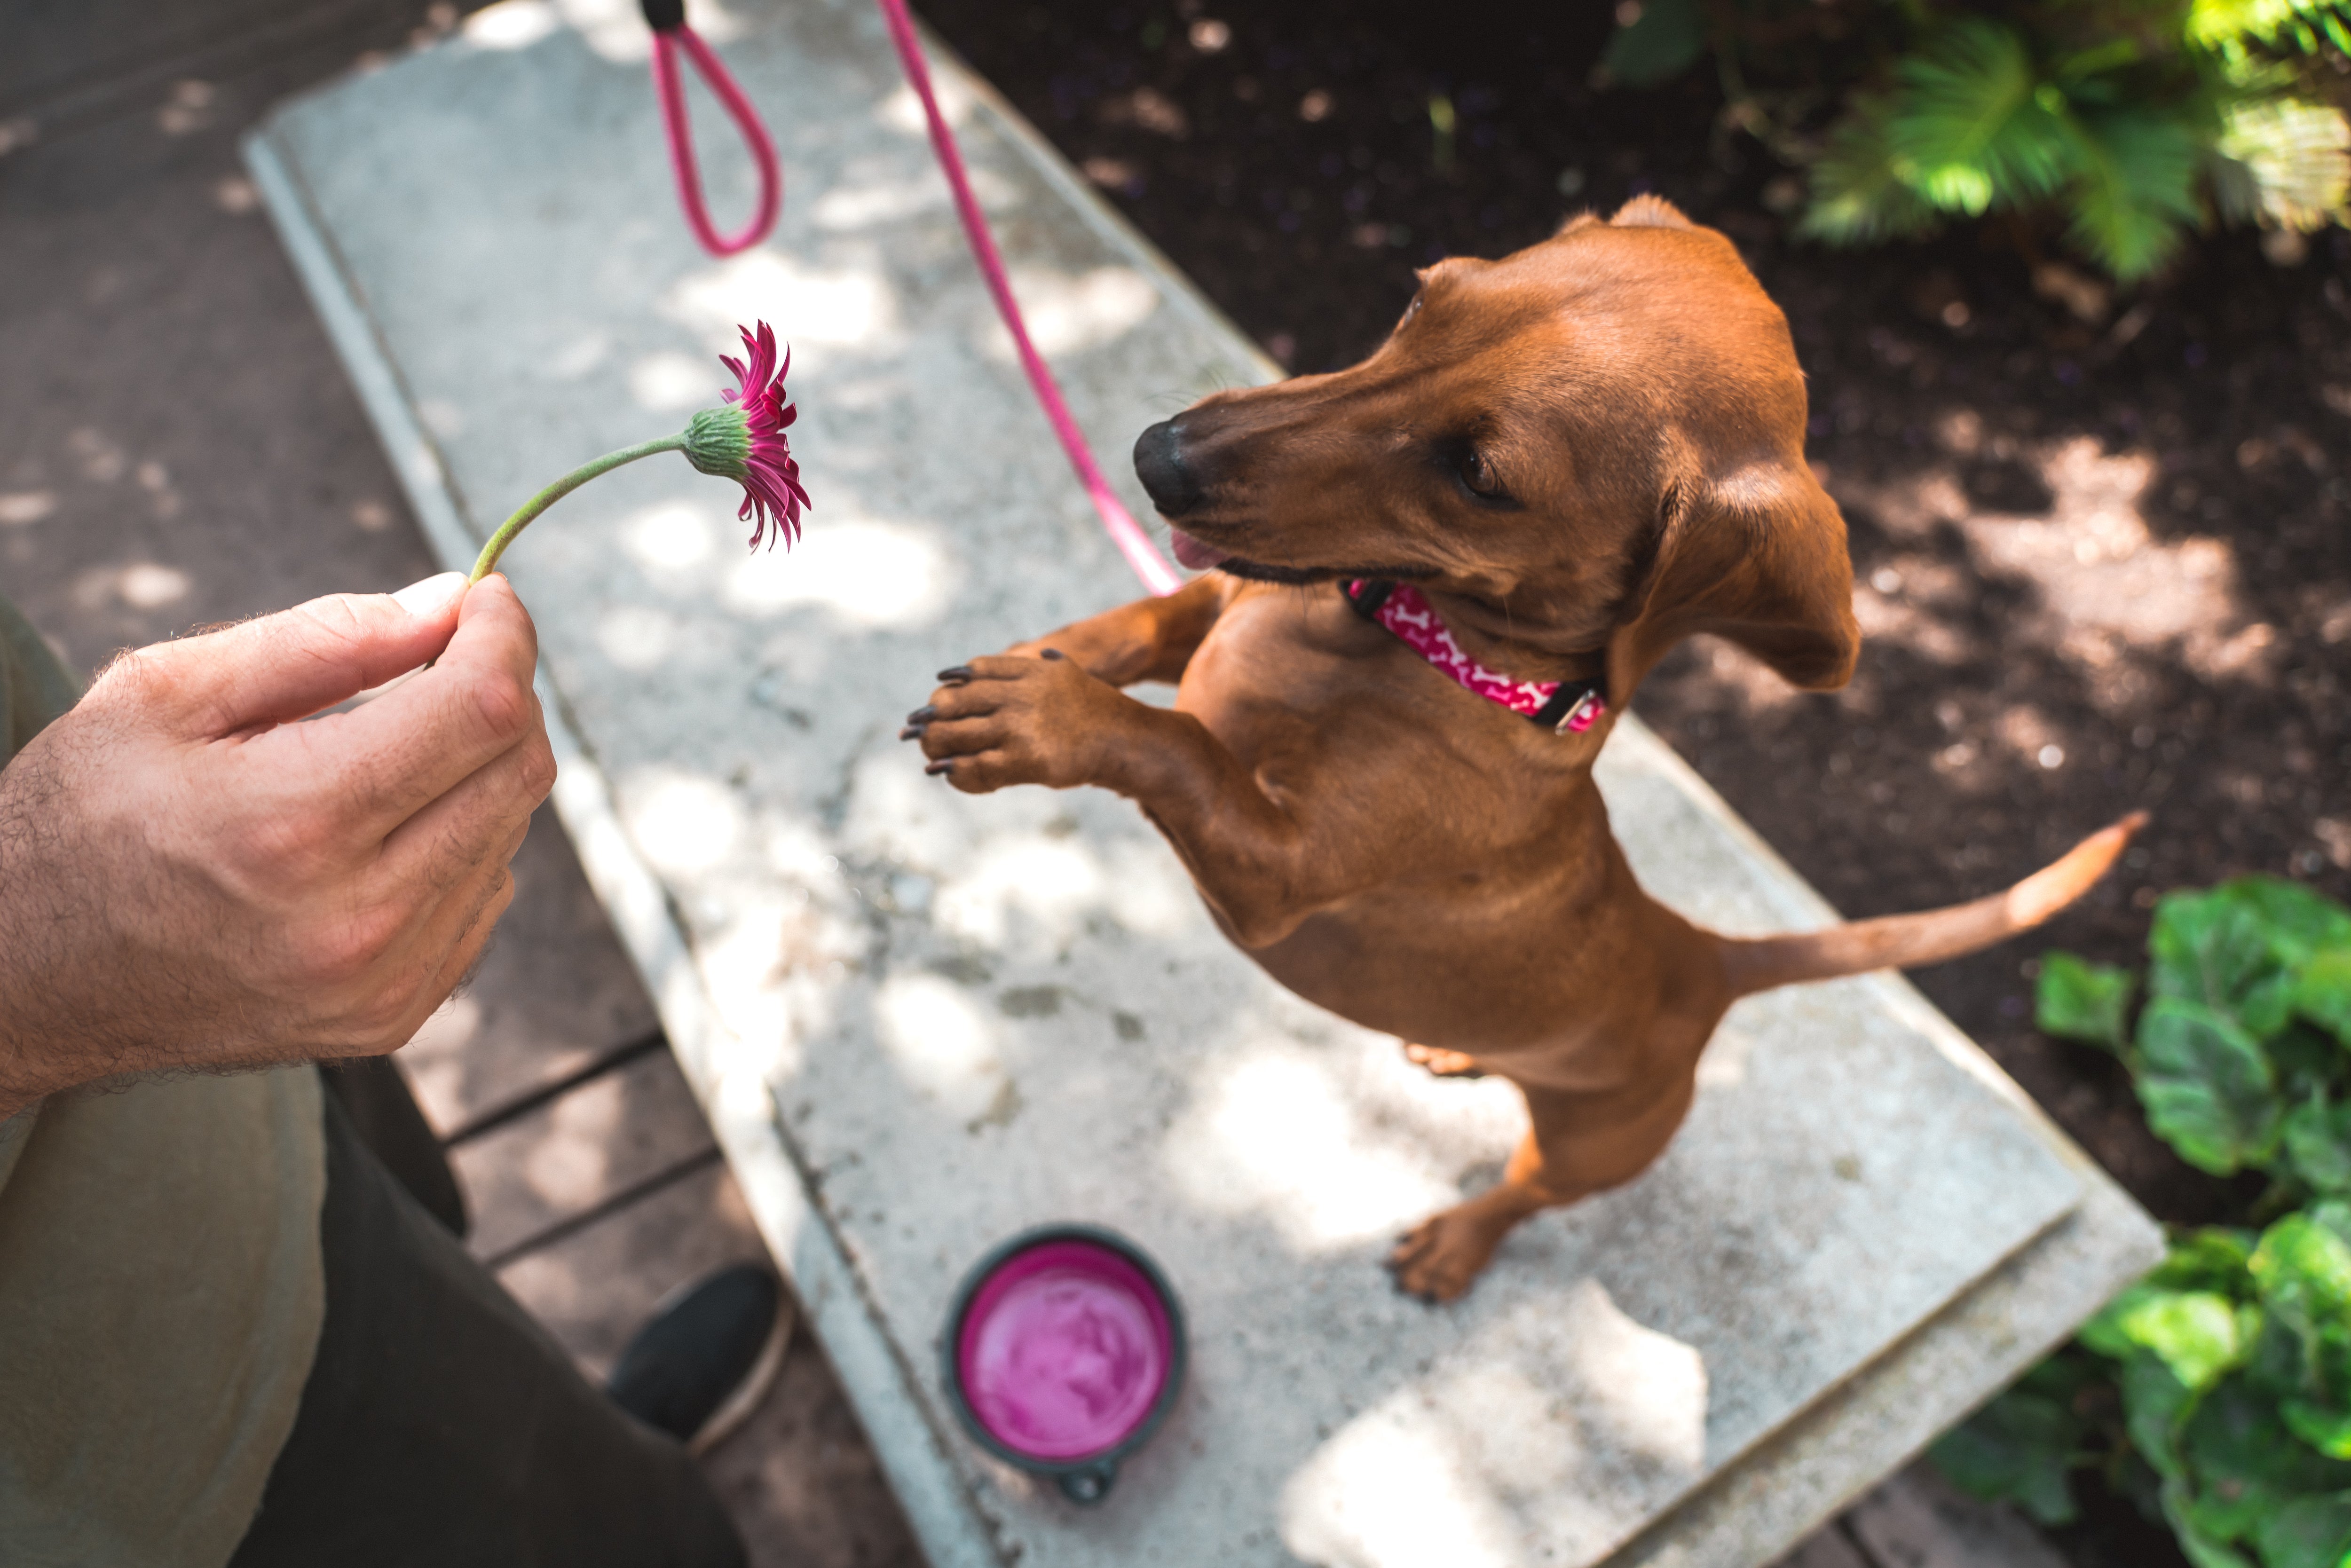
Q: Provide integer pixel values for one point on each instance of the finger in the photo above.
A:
(481, 822)
(285, 666)
(462, 929)
(398, 754)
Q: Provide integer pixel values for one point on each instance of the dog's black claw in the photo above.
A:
(958, 673)
(912, 732)
(1050, 653)
(923, 715)
(939, 770)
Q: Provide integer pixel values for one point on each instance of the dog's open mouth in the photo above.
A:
(1203, 556)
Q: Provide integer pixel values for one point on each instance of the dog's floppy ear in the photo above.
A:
(1758, 558)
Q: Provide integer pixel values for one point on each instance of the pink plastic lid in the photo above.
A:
(1064, 1350)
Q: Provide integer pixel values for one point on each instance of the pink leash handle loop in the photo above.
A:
(1158, 574)
(672, 92)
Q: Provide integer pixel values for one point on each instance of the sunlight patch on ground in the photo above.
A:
(810, 305)
(870, 574)
(2111, 593)
(870, 191)
(681, 824)
(1278, 1135)
(1066, 313)
(941, 1043)
(1053, 881)
(1499, 1447)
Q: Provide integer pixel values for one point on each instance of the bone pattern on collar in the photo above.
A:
(1407, 612)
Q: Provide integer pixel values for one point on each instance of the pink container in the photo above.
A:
(1064, 1352)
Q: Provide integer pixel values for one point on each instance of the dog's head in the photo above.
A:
(1598, 441)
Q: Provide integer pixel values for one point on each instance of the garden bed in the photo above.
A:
(2099, 543)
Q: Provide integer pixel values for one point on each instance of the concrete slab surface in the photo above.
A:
(919, 1022)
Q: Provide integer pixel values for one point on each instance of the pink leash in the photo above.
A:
(667, 20)
(1157, 573)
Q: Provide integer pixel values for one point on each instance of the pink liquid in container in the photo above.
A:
(1065, 1352)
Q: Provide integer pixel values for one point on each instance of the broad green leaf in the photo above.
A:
(2298, 921)
(2194, 1333)
(2304, 1270)
(2075, 999)
(2212, 1259)
(2318, 1142)
(2153, 1403)
(2306, 1061)
(2307, 1533)
(1665, 40)
(2016, 1449)
(2234, 1440)
(2322, 992)
(2197, 1542)
(2323, 1427)
(2208, 1088)
(2212, 947)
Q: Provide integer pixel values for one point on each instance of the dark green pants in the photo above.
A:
(440, 1427)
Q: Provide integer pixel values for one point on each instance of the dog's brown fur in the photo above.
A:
(1583, 454)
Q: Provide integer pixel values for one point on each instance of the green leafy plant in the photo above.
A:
(2217, 1390)
(2128, 122)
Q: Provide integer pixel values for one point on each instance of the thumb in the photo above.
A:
(282, 668)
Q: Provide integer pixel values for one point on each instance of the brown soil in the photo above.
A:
(2099, 545)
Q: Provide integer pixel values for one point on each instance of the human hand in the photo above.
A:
(191, 878)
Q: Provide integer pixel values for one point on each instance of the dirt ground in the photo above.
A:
(2099, 541)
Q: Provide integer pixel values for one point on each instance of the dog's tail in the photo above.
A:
(1929, 937)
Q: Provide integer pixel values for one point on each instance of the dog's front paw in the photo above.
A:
(1007, 719)
(1444, 1254)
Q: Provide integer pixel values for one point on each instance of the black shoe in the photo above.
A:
(707, 1357)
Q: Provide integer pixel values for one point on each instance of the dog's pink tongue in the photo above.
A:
(1192, 553)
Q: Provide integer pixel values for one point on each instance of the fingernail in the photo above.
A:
(936, 769)
(912, 732)
(923, 715)
(433, 595)
(959, 673)
(1052, 653)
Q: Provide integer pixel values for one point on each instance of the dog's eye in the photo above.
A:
(1410, 312)
(1479, 474)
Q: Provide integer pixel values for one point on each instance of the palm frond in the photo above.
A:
(2227, 26)
(2284, 161)
(1972, 125)
(1857, 197)
(2135, 196)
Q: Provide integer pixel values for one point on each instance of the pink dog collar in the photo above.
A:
(1567, 708)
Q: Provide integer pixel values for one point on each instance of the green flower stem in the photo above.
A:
(557, 491)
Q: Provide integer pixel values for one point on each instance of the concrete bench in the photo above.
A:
(919, 1022)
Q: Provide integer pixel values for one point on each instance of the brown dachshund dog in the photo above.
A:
(1579, 455)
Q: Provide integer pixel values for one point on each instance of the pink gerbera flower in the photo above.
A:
(746, 442)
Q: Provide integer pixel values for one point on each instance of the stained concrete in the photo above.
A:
(921, 1021)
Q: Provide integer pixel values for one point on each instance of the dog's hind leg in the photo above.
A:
(1576, 1144)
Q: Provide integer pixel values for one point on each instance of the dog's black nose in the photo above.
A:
(1159, 464)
